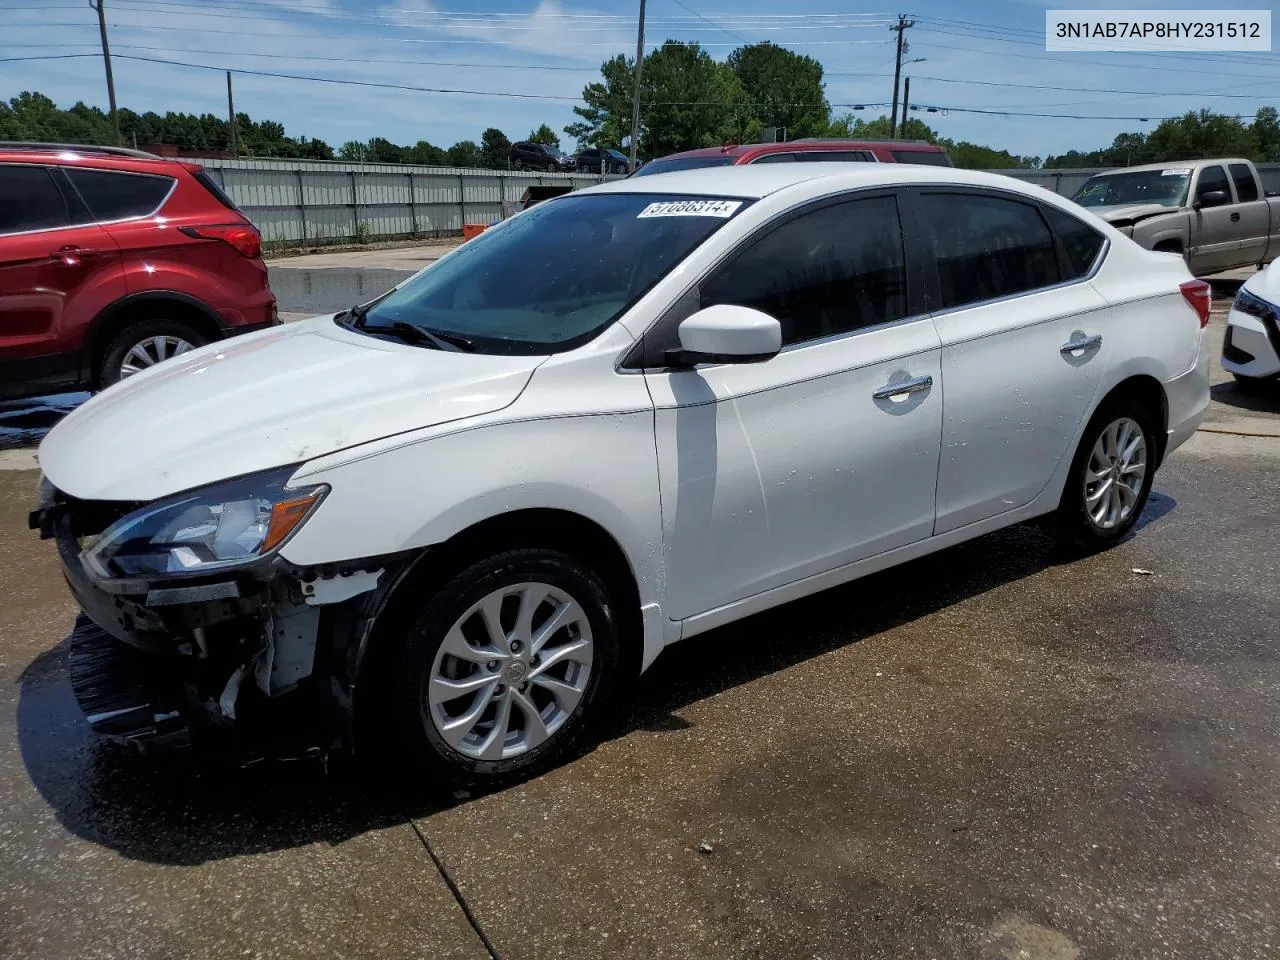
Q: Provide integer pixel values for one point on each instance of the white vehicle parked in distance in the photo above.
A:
(453, 519)
(1251, 348)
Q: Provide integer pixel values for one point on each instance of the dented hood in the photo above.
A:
(1130, 212)
(265, 400)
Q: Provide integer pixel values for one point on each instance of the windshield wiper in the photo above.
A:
(420, 335)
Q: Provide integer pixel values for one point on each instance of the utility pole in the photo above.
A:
(106, 59)
(231, 120)
(635, 97)
(906, 105)
(901, 26)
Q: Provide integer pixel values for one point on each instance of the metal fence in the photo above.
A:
(313, 201)
(299, 201)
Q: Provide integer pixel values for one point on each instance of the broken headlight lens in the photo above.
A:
(205, 530)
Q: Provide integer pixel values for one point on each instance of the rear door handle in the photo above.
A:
(1081, 343)
(891, 391)
(1235, 218)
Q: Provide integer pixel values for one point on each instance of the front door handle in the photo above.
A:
(1081, 343)
(891, 391)
(71, 256)
(1235, 218)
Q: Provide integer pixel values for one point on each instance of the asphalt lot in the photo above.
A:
(995, 752)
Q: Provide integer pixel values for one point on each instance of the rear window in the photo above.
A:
(112, 195)
(682, 163)
(929, 158)
(202, 177)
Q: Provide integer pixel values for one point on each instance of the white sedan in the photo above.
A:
(454, 518)
(1251, 348)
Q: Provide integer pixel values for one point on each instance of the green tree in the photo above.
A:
(688, 100)
(353, 151)
(1266, 135)
(544, 134)
(495, 148)
(427, 154)
(785, 89)
(464, 153)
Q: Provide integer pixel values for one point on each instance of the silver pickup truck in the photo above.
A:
(1213, 212)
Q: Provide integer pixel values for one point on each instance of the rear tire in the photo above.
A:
(143, 344)
(470, 708)
(1110, 478)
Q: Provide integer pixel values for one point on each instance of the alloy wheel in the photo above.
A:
(1114, 475)
(147, 353)
(510, 671)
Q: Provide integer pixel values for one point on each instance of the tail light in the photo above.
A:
(243, 238)
(1198, 294)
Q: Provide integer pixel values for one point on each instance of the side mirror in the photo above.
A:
(726, 334)
(1212, 198)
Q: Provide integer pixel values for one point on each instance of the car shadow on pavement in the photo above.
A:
(1262, 398)
(186, 810)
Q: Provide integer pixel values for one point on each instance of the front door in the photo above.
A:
(828, 452)
(1215, 238)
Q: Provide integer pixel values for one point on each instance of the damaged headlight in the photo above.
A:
(222, 526)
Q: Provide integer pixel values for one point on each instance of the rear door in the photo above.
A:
(56, 273)
(1254, 223)
(1024, 344)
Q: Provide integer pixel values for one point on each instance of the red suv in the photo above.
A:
(112, 260)
(814, 149)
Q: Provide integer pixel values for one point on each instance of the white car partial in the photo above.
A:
(453, 519)
(1251, 347)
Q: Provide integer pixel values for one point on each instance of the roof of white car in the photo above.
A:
(753, 181)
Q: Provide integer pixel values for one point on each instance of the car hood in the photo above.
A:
(1266, 284)
(1130, 212)
(263, 400)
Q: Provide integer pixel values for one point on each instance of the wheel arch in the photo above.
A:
(147, 305)
(549, 528)
(1149, 392)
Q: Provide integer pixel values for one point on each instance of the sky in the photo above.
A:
(529, 60)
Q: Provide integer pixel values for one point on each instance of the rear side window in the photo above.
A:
(987, 247)
(929, 158)
(837, 156)
(835, 269)
(1081, 241)
(111, 195)
(30, 200)
(202, 177)
(1246, 185)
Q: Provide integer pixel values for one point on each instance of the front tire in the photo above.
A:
(506, 668)
(144, 344)
(1110, 478)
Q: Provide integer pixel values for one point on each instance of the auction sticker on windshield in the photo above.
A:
(691, 208)
(1180, 172)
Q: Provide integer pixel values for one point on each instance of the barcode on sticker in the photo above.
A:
(691, 208)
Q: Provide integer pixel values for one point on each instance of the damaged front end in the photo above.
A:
(195, 629)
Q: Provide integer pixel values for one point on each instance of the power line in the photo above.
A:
(712, 22)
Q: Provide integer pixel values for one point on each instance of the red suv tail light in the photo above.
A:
(241, 237)
(1198, 293)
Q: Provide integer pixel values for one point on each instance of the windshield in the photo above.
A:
(1166, 187)
(682, 163)
(556, 275)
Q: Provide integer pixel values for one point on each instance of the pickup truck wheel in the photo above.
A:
(1110, 477)
(505, 668)
(144, 344)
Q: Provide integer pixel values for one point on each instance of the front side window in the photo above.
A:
(1246, 186)
(775, 158)
(1167, 187)
(555, 276)
(1212, 178)
(30, 200)
(928, 158)
(835, 269)
(110, 195)
(987, 247)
